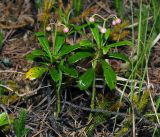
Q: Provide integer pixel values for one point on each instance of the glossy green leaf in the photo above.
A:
(119, 56)
(38, 52)
(58, 43)
(35, 53)
(109, 74)
(86, 79)
(35, 73)
(69, 71)
(117, 44)
(44, 43)
(54, 74)
(78, 56)
(95, 33)
(66, 49)
(85, 43)
(3, 119)
(79, 27)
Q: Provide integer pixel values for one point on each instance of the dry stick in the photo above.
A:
(138, 117)
(136, 24)
(42, 101)
(77, 128)
(133, 123)
(8, 35)
(155, 111)
(25, 94)
(43, 120)
(10, 71)
(94, 110)
(56, 132)
(35, 135)
(102, 6)
(53, 129)
(32, 92)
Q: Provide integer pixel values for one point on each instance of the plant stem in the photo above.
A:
(58, 103)
(93, 90)
(58, 94)
(93, 97)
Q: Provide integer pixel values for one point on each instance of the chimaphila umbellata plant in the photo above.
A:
(52, 59)
(59, 57)
(100, 55)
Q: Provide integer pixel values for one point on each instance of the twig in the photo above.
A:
(51, 127)
(94, 110)
(155, 111)
(133, 123)
(25, 94)
(151, 98)
(136, 23)
(10, 71)
(8, 88)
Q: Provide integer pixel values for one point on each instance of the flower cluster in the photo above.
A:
(65, 28)
(116, 21)
(103, 29)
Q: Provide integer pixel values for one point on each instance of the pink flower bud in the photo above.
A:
(66, 30)
(114, 23)
(91, 19)
(118, 21)
(48, 28)
(103, 30)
